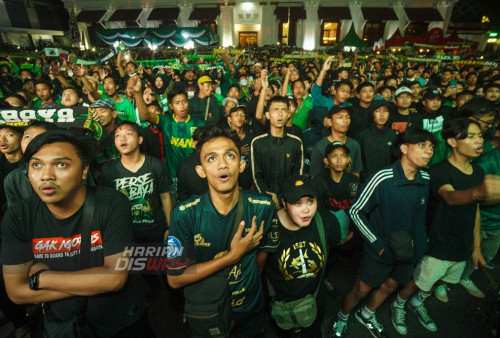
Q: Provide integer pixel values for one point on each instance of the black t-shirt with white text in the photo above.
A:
(143, 189)
(451, 230)
(31, 232)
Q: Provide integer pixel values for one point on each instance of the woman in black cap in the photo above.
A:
(294, 273)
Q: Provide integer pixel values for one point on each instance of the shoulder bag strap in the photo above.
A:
(206, 108)
(239, 215)
(88, 213)
(321, 233)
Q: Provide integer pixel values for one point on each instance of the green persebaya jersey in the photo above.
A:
(199, 233)
(177, 139)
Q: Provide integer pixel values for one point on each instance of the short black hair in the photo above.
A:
(363, 85)
(197, 133)
(82, 144)
(174, 92)
(343, 83)
(413, 136)
(19, 97)
(292, 85)
(457, 128)
(213, 132)
(109, 77)
(277, 98)
(134, 126)
(477, 107)
(76, 90)
(38, 82)
(41, 124)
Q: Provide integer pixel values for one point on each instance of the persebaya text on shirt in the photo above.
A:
(74, 117)
(136, 189)
(57, 247)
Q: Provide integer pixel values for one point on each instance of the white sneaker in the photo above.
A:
(441, 293)
(471, 288)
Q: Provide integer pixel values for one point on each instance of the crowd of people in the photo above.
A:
(252, 169)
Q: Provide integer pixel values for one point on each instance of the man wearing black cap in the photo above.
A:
(204, 105)
(339, 120)
(431, 116)
(336, 188)
(403, 187)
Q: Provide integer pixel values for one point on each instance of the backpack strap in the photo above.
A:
(321, 233)
(88, 213)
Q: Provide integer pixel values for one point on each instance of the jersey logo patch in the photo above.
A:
(200, 241)
(184, 207)
(251, 200)
(174, 247)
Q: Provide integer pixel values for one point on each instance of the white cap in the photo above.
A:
(402, 90)
(229, 99)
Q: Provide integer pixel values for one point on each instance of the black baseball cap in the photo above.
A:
(334, 145)
(380, 103)
(297, 186)
(338, 109)
(431, 92)
(236, 108)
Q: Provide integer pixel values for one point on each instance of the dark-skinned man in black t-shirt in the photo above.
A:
(200, 242)
(41, 238)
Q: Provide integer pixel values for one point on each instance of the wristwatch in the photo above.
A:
(33, 281)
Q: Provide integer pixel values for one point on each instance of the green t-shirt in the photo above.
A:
(177, 139)
(490, 215)
(125, 108)
(301, 117)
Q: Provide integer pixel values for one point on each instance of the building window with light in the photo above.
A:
(373, 31)
(329, 33)
(286, 32)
